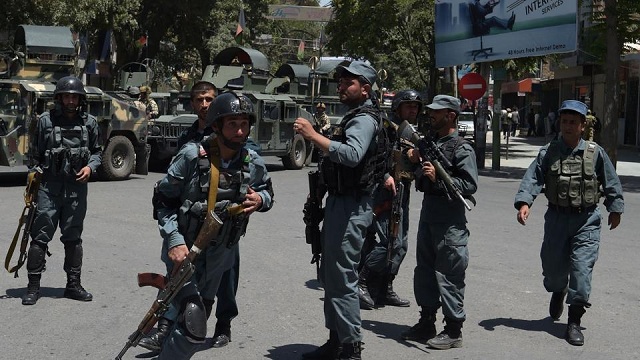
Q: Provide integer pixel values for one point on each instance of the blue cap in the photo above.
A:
(445, 102)
(574, 105)
(359, 68)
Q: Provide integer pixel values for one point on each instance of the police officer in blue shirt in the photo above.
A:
(348, 168)
(66, 147)
(182, 198)
(442, 255)
(574, 174)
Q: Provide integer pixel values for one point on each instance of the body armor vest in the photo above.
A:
(448, 149)
(67, 147)
(232, 190)
(571, 180)
(343, 180)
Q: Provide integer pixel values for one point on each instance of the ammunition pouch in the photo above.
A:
(66, 161)
(233, 229)
(159, 201)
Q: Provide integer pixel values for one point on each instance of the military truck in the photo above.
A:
(247, 71)
(28, 73)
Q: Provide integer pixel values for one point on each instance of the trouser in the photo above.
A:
(62, 204)
(442, 258)
(569, 252)
(345, 224)
(377, 258)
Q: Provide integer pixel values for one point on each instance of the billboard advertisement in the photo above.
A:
(468, 31)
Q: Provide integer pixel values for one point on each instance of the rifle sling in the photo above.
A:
(14, 242)
(214, 159)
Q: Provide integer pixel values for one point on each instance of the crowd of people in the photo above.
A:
(367, 165)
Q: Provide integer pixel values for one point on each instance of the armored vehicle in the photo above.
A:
(247, 71)
(28, 73)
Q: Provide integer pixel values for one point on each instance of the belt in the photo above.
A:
(571, 209)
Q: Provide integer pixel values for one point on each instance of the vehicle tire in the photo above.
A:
(118, 159)
(297, 154)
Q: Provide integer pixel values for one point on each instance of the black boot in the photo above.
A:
(392, 298)
(366, 302)
(35, 267)
(425, 329)
(222, 335)
(450, 337)
(72, 265)
(574, 333)
(33, 290)
(154, 342)
(351, 351)
(556, 305)
(329, 351)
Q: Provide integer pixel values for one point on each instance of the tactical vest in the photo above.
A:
(232, 190)
(571, 180)
(67, 147)
(344, 180)
(448, 149)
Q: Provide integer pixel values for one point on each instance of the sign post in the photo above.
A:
(472, 86)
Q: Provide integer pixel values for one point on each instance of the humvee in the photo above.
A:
(28, 73)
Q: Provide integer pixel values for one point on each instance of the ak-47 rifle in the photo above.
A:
(171, 286)
(313, 214)
(26, 220)
(429, 151)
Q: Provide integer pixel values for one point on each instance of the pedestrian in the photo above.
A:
(574, 173)
(381, 264)
(505, 121)
(515, 120)
(151, 105)
(441, 247)
(182, 196)
(531, 121)
(351, 155)
(65, 146)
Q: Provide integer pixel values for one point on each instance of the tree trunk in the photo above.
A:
(609, 136)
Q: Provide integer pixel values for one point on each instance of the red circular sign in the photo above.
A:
(472, 86)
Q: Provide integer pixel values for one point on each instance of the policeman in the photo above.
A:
(406, 105)
(182, 200)
(574, 173)
(65, 146)
(350, 167)
(441, 250)
(151, 105)
(202, 95)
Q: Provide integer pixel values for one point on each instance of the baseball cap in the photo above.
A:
(574, 105)
(359, 68)
(445, 102)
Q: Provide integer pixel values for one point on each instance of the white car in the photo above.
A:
(466, 126)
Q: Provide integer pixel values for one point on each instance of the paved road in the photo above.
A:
(280, 300)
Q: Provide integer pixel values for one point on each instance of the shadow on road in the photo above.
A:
(291, 351)
(45, 292)
(543, 325)
(385, 330)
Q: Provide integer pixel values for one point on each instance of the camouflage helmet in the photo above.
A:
(230, 103)
(145, 89)
(406, 96)
(70, 85)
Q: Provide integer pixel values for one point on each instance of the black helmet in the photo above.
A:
(230, 103)
(70, 85)
(406, 96)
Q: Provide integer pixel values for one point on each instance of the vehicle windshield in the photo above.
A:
(9, 102)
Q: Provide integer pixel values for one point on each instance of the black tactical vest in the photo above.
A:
(67, 146)
(448, 149)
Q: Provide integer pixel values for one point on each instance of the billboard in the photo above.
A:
(468, 31)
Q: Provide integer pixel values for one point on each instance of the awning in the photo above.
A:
(527, 85)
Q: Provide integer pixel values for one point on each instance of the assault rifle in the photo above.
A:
(171, 286)
(313, 214)
(26, 220)
(396, 217)
(429, 151)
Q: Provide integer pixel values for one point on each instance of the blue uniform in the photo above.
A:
(571, 238)
(61, 147)
(186, 180)
(441, 250)
(347, 217)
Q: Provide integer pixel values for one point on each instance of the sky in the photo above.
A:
(324, 2)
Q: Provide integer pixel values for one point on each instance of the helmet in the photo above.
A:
(406, 96)
(70, 85)
(230, 103)
(145, 89)
(133, 91)
(321, 106)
